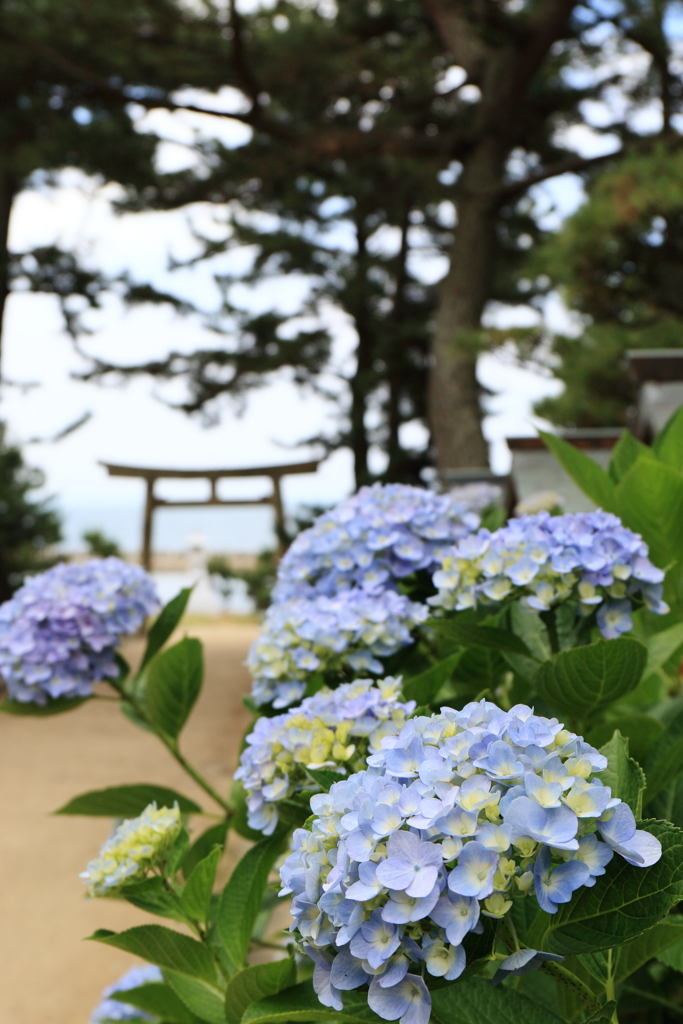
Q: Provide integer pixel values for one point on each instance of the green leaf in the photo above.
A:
(642, 733)
(476, 1001)
(241, 898)
(424, 687)
(668, 444)
(668, 803)
(665, 760)
(623, 903)
(623, 775)
(602, 1016)
(591, 478)
(650, 944)
(626, 451)
(196, 895)
(178, 852)
(203, 845)
(127, 801)
(160, 999)
(597, 964)
(168, 949)
(152, 896)
(650, 501)
(662, 646)
(257, 982)
(168, 619)
(470, 635)
(174, 679)
(582, 681)
(53, 707)
(532, 630)
(325, 777)
(204, 1000)
(300, 1003)
(673, 956)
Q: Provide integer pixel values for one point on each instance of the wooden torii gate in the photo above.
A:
(213, 476)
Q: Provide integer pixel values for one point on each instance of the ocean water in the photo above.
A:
(236, 530)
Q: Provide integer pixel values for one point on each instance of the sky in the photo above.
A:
(132, 424)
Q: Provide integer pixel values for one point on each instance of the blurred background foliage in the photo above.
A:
(27, 525)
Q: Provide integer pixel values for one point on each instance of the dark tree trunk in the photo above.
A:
(360, 383)
(8, 190)
(502, 60)
(394, 356)
(455, 414)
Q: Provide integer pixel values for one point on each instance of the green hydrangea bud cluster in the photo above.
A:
(135, 846)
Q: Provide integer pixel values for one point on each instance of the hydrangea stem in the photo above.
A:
(173, 749)
(609, 984)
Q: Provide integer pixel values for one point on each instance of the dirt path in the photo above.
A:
(49, 975)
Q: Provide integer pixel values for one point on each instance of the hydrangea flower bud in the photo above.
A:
(111, 1009)
(589, 558)
(349, 631)
(333, 729)
(60, 631)
(454, 815)
(135, 846)
(382, 533)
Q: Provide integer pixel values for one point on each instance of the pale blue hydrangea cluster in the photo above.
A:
(382, 533)
(590, 558)
(453, 815)
(332, 729)
(112, 1010)
(60, 631)
(135, 847)
(351, 630)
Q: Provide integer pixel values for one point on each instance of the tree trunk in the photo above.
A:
(360, 381)
(8, 190)
(455, 413)
(394, 356)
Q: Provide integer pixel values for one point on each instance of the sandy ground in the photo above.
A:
(49, 974)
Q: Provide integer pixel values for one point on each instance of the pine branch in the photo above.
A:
(577, 163)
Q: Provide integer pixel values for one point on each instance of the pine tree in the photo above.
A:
(27, 526)
(351, 105)
(619, 262)
(70, 72)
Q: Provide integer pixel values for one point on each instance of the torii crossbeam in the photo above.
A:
(213, 476)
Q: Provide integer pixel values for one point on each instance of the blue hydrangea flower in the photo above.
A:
(332, 729)
(589, 558)
(403, 859)
(382, 533)
(60, 631)
(112, 1010)
(135, 846)
(352, 630)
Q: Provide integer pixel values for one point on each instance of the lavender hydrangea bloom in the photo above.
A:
(111, 1009)
(380, 534)
(403, 858)
(589, 558)
(60, 631)
(353, 629)
(334, 729)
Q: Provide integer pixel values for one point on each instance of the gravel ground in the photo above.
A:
(49, 974)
